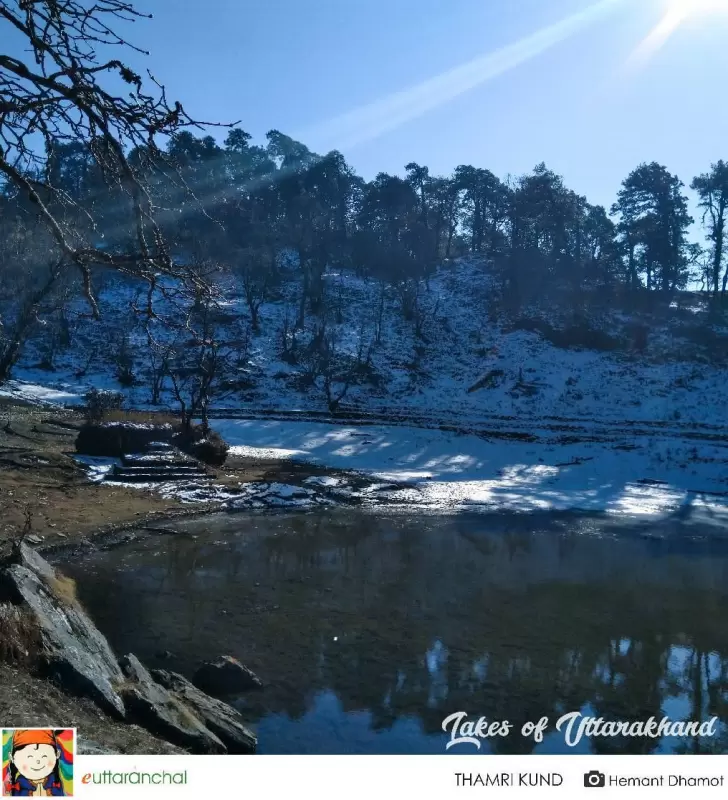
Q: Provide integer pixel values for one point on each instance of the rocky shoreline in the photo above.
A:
(47, 633)
(63, 511)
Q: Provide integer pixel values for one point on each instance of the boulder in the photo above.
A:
(225, 676)
(73, 651)
(30, 558)
(161, 713)
(223, 720)
(117, 438)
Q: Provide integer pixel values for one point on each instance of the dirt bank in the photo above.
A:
(38, 475)
(27, 701)
(40, 479)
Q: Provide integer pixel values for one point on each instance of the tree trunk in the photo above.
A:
(301, 320)
(718, 252)
(11, 351)
(450, 234)
(380, 316)
(438, 237)
(316, 288)
(632, 267)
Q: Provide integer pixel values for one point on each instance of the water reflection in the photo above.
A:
(371, 629)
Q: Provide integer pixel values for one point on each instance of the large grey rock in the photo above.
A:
(163, 714)
(222, 719)
(73, 650)
(225, 676)
(35, 562)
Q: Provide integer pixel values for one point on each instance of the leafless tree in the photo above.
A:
(424, 316)
(256, 270)
(59, 93)
(159, 354)
(200, 366)
(379, 319)
(333, 369)
(32, 272)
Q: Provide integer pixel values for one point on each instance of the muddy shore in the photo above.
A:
(43, 488)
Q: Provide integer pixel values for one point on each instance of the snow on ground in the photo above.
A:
(652, 477)
(604, 421)
(657, 476)
(39, 393)
(98, 468)
(327, 481)
(461, 342)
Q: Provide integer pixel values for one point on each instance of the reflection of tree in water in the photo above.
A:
(579, 645)
(404, 619)
(631, 689)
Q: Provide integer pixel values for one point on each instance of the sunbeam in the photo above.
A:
(658, 36)
(370, 121)
(678, 12)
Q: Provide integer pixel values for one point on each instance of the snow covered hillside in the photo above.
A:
(467, 408)
(456, 362)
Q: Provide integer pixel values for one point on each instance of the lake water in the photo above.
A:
(370, 628)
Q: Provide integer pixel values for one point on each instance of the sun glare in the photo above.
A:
(696, 8)
(677, 13)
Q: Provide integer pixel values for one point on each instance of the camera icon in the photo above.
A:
(594, 779)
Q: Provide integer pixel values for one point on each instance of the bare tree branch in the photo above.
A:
(57, 94)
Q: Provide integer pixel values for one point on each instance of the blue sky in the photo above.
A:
(580, 105)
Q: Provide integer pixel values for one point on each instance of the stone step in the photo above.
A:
(153, 469)
(136, 461)
(161, 469)
(158, 462)
(156, 477)
(160, 446)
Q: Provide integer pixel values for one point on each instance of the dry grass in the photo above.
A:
(124, 685)
(185, 714)
(65, 589)
(20, 640)
(37, 470)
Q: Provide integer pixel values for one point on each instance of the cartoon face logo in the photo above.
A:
(37, 762)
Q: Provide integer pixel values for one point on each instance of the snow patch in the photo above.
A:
(451, 470)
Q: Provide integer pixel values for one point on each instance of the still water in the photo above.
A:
(369, 629)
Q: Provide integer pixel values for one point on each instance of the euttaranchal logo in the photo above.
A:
(38, 762)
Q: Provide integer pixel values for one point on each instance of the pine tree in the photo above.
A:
(712, 189)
